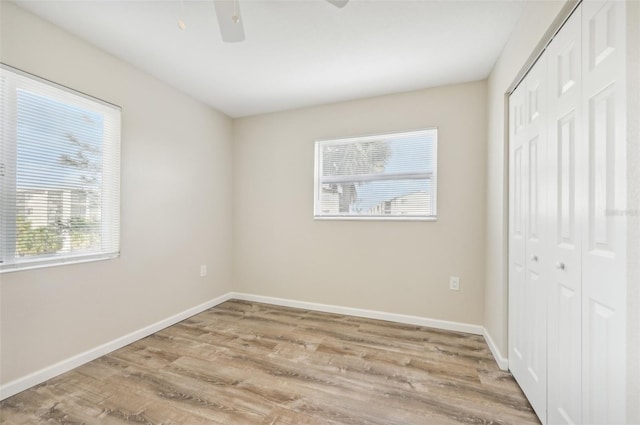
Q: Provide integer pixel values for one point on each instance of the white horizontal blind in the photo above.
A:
(60, 174)
(384, 176)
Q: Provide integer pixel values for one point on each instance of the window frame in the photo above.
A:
(319, 180)
(9, 167)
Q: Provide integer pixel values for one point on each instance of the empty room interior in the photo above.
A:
(320, 212)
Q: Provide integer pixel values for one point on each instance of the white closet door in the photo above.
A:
(517, 230)
(566, 152)
(604, 230)
(527, 281)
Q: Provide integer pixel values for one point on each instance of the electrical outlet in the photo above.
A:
(203, 271)
(454, 283)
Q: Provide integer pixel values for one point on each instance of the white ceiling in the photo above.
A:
(296, 53)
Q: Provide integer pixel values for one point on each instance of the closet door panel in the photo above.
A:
(527, 291)
(604, 230)
(566, 149)
(517, 223)
(535, 302)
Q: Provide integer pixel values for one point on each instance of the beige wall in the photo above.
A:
(529, 31)
(397, 267)
(176, 209)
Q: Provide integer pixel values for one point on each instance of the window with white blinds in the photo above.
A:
(59, 174)
(391, 176)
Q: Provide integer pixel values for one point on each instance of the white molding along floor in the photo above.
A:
(369, 314)
(37, 377)
(66, 365)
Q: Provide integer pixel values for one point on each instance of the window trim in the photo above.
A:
(9, 188)
(59, 86)
(317, 181)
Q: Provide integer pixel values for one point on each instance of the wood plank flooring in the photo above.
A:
(248, 363)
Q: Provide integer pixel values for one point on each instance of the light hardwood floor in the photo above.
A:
(249, 363)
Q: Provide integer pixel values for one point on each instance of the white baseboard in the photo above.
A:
(503, 362)
(37, 377)
(66, 365)
(370, 314)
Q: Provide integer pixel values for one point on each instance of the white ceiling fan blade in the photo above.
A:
(338, 3)
(229, 20)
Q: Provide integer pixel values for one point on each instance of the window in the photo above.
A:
(390, 176)
(59, 174)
